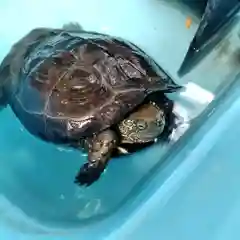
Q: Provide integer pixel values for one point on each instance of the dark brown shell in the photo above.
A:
(72, 86)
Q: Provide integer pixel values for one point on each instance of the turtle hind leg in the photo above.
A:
(3, 99)
(4, 78)
(100, 151)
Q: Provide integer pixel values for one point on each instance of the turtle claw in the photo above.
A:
(89, 173)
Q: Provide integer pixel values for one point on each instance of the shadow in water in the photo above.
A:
(194, 57)
(218, 19)
(198, 7)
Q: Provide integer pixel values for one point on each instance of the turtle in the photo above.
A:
(87, 90)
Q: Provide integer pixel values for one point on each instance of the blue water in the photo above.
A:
(37, 190)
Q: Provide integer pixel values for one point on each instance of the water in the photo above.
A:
(37, 190)
(200, 195)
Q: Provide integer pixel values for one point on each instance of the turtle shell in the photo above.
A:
(74, 85)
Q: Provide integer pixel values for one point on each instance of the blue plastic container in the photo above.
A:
(186, 190)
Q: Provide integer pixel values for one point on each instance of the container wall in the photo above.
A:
(37, 190)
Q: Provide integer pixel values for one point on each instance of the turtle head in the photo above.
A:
(144, 125)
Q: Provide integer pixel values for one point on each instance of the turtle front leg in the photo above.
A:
(99, 153)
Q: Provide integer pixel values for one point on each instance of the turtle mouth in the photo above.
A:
(152, 132)
(150, 137)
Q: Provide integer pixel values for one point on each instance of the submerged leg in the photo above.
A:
(3, 99)
(4, 78)
(99, 153)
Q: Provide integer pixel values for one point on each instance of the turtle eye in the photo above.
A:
(141, 125)
(159, 123)
(160, 119)
(129, 122)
